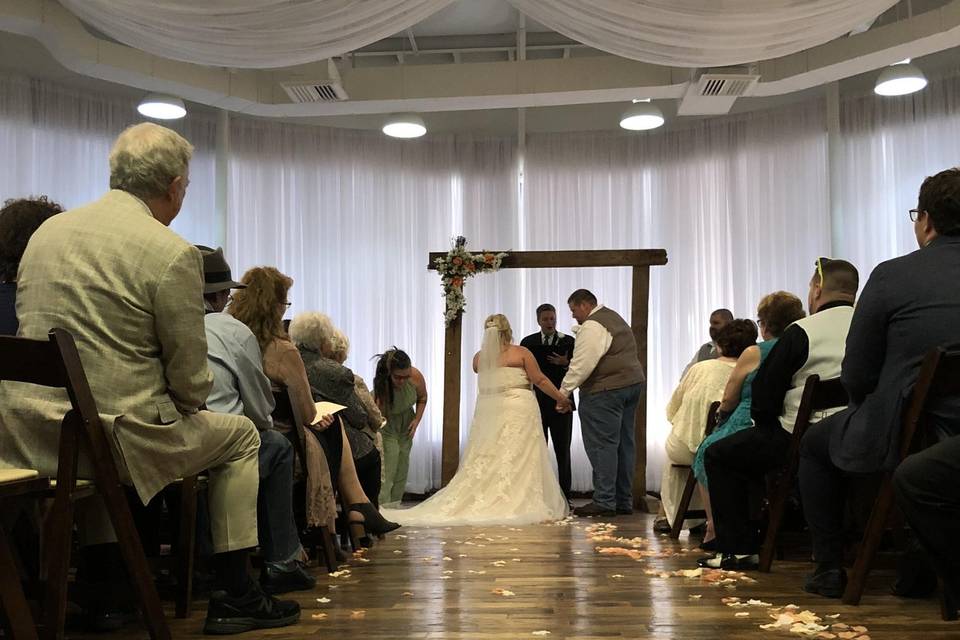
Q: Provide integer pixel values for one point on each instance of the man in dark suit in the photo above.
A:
(909, 306)
(553, 351)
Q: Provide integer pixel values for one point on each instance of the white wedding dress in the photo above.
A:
(505, 476)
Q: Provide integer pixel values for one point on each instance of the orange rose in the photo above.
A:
(471, 266)
(458, 261)
(488, 258)
(458, 282)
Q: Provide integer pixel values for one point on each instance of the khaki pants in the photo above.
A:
(673, 479)
(227, 446)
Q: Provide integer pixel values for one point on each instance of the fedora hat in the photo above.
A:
(216, 271)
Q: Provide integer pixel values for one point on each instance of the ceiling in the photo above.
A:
(471, 40)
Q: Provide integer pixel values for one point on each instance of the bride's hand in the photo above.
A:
(564, 406)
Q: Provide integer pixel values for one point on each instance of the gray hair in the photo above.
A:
(313, 330)
(146, 158)
(340, 344)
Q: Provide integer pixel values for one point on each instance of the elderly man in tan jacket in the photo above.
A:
(130, 291)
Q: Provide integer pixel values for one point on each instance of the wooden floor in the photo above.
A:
(554, 581)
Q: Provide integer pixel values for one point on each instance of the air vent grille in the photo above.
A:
(713, 85)
(315, 92)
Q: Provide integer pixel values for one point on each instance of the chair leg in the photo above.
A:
(20, 624)
(775, 517)
(58, 541)
(949, 605)
(326, 547)
(870, 543)
(684, 506)
(186, 546)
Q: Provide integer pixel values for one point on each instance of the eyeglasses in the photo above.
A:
(914, 214)
(286, 304)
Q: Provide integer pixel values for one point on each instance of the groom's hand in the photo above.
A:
(558, 359)
(564, 406)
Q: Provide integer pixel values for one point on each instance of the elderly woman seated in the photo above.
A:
(316, 338)
(702, 385)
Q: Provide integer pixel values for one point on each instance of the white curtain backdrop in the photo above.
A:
(278, 33)
(351, 216)
(740, 204)
(887, 147)
(56, 141)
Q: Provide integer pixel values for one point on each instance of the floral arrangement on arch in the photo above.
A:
(454, 269)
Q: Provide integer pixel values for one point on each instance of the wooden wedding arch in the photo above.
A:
(639, 259)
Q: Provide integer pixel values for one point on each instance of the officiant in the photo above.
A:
(553, 351)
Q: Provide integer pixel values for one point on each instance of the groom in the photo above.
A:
(606, 368)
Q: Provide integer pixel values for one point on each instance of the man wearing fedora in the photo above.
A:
(240, 387)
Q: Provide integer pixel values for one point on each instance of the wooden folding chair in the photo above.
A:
(939, 377)
(286, 412)
(56, 363)
(683, 509)
(818, 395)
(16, 484)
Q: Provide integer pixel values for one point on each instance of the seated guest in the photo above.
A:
(909, 306)
(738, 464)
(130, 291)
(261, 306)
(708, 350)
(687, 410)
(240, 387)
(18, 220)
(929, 496)
(775, 313)
(314, 335)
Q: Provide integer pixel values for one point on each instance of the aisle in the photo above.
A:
(551, 581)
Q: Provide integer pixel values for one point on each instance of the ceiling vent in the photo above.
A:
(719, 85)
(314, 91)
(715, 93)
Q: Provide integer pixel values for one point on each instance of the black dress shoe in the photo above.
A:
(283, 577)
(110, 618)
(624, 511)
(730, 562)
(829, 583)
(661, 526)
(254, 609)
(592, 509)
(709, 545)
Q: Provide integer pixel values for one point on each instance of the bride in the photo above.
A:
(505, 476)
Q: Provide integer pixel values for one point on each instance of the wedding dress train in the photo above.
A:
(505, 476)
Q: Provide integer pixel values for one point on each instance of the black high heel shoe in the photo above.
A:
(373, 522)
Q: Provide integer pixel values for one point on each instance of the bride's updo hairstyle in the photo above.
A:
(500, 322)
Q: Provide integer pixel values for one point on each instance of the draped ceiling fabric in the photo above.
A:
(279, 33)
(251, 34)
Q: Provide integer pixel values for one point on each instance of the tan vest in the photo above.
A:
(619, 367)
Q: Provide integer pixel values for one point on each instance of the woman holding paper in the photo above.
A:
(313, 333)
(330, 466)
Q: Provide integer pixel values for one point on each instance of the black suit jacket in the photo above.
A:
(909, 306)
(554, 372)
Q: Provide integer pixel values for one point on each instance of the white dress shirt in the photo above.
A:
(239, 384)
(593, 342)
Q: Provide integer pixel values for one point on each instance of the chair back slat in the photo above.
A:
(33, 361)
(711, 418)
(287, 412)
(938, 378)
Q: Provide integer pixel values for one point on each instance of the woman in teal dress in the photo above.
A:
(775, 313)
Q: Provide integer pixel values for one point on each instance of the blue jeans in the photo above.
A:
(276, 528)
(607, 422)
